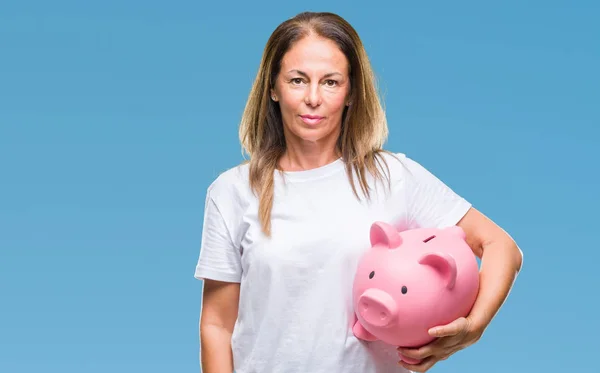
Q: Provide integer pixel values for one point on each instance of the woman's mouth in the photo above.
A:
(311, 119)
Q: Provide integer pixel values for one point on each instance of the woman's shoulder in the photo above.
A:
(391, 156)
(411, 172)
(402, 168)
(231, 183)
(397, 163)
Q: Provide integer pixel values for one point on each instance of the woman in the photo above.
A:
(283, 232)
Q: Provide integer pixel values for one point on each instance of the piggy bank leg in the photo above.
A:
(361, 333)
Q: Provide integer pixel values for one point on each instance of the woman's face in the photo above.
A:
(312, 90)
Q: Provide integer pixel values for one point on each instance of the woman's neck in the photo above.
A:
(295, 159)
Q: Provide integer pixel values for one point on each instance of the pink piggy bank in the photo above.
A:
(411, 281)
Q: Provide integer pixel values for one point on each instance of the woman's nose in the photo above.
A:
(313, 95)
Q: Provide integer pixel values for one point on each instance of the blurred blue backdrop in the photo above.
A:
(115, 116)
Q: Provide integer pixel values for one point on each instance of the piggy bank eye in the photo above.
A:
(404, 290)
(371, 274)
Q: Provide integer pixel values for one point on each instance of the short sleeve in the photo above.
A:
(219, 259)
(430, 202)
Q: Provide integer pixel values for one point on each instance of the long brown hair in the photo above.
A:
(364, 126)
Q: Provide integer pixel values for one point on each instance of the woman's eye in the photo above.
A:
(331, 83)
(297, 80)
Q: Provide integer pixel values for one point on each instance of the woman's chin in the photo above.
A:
(313, 133)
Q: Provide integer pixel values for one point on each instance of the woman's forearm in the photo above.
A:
(500, 264)
(216, 355)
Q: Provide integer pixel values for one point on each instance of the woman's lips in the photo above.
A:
(311, 119)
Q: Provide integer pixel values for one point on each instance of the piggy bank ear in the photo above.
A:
(444, 264)
(385, 234)
(456, 231)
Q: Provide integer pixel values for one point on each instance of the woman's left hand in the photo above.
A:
(452, 338)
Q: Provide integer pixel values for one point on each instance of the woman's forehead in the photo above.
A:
(311, 55)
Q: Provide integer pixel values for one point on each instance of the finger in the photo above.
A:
(421, 352)
(456, 327)
(423, 366)
(440, 347)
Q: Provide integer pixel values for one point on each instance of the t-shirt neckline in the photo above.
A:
(313, 173)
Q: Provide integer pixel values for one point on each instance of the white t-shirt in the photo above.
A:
(295, 308)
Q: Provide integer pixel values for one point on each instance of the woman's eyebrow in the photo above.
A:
(306, 75)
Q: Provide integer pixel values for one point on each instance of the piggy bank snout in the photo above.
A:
(377, 307)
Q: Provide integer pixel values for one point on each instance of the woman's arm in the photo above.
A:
(501, 261)
(219, 312)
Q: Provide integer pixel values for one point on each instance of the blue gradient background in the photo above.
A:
(115, 117)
